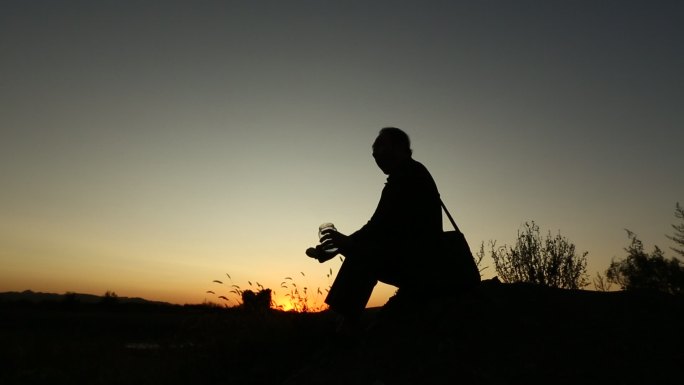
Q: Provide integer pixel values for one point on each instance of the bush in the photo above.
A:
(259, 301)
(549, 261)
(643, 271)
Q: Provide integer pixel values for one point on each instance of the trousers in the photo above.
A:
(358, 275)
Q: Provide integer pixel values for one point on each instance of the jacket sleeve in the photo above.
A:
(373, 227)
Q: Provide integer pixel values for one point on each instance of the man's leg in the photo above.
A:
(358, 275)
(352, 287)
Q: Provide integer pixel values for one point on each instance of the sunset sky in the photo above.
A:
(150, 147)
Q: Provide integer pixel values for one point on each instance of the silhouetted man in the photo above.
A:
(397, 242)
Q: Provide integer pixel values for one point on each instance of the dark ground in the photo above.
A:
(498, 334)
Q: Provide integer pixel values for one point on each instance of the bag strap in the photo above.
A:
(449, 216)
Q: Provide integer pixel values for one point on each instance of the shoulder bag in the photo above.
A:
(456, 253)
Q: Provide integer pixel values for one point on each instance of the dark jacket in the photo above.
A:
(408, 218)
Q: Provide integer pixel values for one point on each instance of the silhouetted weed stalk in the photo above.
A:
(299, 297)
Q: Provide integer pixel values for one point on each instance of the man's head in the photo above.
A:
(391, 148)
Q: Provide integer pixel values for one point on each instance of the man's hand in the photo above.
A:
(336, 239)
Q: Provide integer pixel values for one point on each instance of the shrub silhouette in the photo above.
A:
(549, 261)
(259, 301)
(643, 271)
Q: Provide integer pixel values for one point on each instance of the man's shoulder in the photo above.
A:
(416, 164)
(415, 174)
(412, 172)
(417, 168)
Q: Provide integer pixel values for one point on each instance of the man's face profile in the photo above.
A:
(384, 154)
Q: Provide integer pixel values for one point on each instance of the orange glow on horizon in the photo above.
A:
(284, 306)
(285, 303)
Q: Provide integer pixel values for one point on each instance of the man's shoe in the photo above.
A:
(319, 254)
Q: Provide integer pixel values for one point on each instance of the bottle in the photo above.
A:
(329, 249)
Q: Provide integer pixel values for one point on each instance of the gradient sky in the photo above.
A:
(149, 147)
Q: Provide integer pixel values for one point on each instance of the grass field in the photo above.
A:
(503, 334)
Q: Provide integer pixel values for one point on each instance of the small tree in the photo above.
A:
(549, 261)
(643, 271)
(678, 236)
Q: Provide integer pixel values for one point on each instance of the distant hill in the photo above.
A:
(38, 297)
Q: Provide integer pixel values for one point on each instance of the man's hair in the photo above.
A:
(397, 137)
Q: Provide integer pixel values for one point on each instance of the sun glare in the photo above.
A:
(283, 305)
(299, 305)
